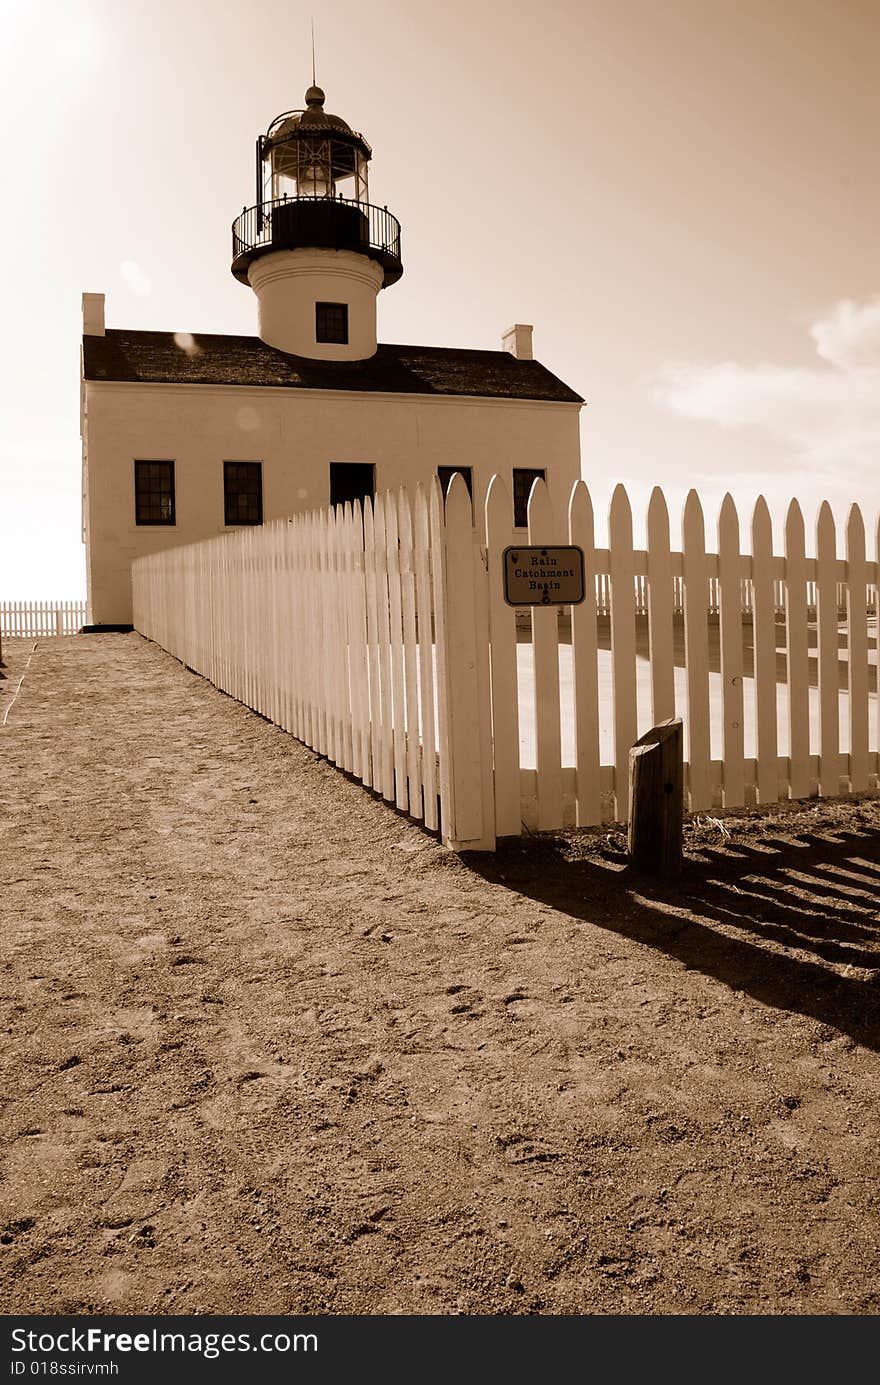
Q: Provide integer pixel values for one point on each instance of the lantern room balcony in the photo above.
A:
(292, 223)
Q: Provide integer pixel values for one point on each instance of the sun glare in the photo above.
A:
(79, 40)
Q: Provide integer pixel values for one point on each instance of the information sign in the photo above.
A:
(544, 576)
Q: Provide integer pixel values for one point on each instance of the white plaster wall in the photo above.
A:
(289, 283)
(295, 434)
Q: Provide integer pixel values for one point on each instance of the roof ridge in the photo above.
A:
(151, 356)
(251, 337)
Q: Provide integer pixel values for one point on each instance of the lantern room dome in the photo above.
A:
(313, 120)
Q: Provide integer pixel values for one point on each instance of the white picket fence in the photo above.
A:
(31, 619)
(384, 642)
(333, 624)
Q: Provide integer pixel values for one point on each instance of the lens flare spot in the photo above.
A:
(138, 281)
(186, 342)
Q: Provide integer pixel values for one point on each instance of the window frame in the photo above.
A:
(334, 339)
(141, 493)
(241, 523)
(520, 504)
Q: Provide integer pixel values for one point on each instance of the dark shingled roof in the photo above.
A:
(180, 359)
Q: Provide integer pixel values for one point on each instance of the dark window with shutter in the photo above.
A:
(154, 493)
(331, 323)
(242, 493)
(523, 479)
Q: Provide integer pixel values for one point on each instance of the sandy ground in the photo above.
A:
(268, 1047)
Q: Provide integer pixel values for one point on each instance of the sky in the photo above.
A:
(680, 195)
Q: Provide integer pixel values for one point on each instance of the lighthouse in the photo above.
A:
(313, 248)
(188, 435)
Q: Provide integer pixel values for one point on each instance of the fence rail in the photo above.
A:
(640, 581)
(30, 619)
(382, 640)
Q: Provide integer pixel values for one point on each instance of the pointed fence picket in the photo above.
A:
(763, 624)
(696, 646)
(395, 643)
(828, 645)
(505, 687)
(545, 661)
(410, 653)
(584, 658)
(465, 708)
(857, 650)
(797, 661)
(659, 608)
(379, 635)
(427, 682)
(623, 643)
(731, 641)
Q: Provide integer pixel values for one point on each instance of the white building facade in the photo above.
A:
(187, 436)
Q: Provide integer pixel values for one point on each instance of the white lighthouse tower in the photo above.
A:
(313, 248)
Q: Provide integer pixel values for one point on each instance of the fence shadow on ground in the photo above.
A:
(793, 922)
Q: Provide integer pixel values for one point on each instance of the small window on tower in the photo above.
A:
(242, 493)
(331, 323)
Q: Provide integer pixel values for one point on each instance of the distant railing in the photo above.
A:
(288, 223)
(31, 619)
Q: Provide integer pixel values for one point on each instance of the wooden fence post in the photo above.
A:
(462, 613)
(696, 651)
(585, 666)
(656, 799)
(505, 686)
(623, 641)
(661, 594)
(797, 654)
(545, 656)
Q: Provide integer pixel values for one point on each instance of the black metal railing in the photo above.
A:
(289, 223)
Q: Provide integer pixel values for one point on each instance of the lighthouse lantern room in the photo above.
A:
(313, 248)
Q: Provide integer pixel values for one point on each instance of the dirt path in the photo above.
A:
(267, 1047)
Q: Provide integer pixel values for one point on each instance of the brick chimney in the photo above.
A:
(93, 314)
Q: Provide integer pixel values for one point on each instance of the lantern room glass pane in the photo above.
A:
(315, 168)
(314, 174)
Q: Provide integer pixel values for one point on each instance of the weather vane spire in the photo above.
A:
(314, 82)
